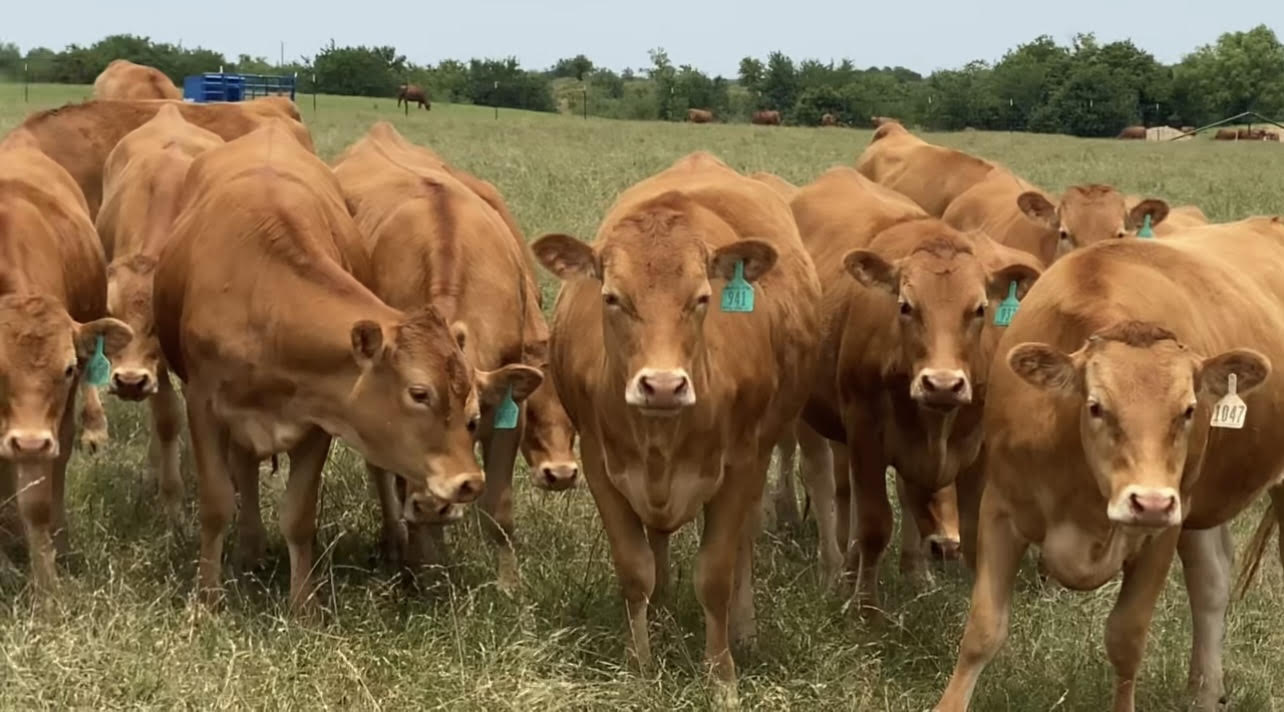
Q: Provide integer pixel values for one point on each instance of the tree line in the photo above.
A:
(1085, 88)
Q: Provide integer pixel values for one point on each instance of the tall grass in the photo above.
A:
(125, 633)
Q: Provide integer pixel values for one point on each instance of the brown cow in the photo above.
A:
(931, 176)
(53, 291)
(1124, 357)
(1087, 214)
(79, 136)
(679, 403)
(699, 116)
(413, 94)
(465, 262)
(878, 121)
(828, 120)
(766, 118)
(261, 310)
(1133, 132)
(1226, 135)
(123, 80)
(906, 302)
(142, 179)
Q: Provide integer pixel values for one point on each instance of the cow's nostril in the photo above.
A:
(958, 386)
(647, 388)
(681, 386)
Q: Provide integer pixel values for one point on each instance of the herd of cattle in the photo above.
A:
(1089, 373)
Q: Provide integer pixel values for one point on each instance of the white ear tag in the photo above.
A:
(1230, 411)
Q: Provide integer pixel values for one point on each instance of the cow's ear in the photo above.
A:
(1039, 209)
(367, 343)
(1044, 367)
(758, 258)
(1250, 367)
(459, 331)
(1154, 207)
(116, 336)
(871, 270)
(1020, 273)
(493, 385)
(567, 257)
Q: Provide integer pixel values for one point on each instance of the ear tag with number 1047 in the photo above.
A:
(1229, 412)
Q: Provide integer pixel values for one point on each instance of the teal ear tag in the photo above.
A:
(506, 412)
(1146, 230)
(99, 368)
(737, 296)
(1008, 307)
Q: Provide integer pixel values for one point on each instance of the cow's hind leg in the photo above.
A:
(785, 497)
(818, 478)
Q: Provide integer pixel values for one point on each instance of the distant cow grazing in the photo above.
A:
(124, 80)
(828, 120)
(766, 118)
(1226, 135)
(413, 94)
(1133, 132)
(699, 116)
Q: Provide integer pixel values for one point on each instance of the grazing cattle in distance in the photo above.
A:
(123, 80)
(699, 116)
(828, 120)
(1133, 132)
(907, 302)
(434, 240)
(79, 136)
(679, 402)
(1250, 134)
(1226, 135)
(766, 118)
(1126, 359)
(142, 181)
(413, 94)
(1088, 214)
(261, 310)
(53, 322)
(931, 176)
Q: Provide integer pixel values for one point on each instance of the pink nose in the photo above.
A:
(660, 386)
(31, 444)
(558, 476)
(1151, 505)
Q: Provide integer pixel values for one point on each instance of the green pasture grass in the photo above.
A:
(125, 634)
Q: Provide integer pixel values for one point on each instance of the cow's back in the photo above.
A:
(46, 233)
(990, 206)
(79, 137)
(127, 81)
(932, 176)
(1214, 299)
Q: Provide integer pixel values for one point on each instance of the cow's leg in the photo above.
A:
(66, 440)
(216, 498)
(999, 552)
(93, 418)
(785, 497)
(299, 514)
(914, 516)
(251, 536)
(843, 502)
(630, 551)
(1126, 628)
(660, 552)
(873, 513)
(393, 539)
(1206, 558)
(166, 423)
(943, 538)
(967, 488)
(818, 478)
(497, 501)
(36, 509)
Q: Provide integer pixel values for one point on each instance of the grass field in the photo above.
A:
(126, 634)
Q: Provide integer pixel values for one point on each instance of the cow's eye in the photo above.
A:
(473, 423)
(419, 394)
(702, 300)
(1065, 234)
(1121, 233)
(69, 372)
(1095, 409)
(979, 312)
(906, 309)
(610, 300)
(1189, 413)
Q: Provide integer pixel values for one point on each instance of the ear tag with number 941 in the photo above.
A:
(1229, 412)
(737, 296)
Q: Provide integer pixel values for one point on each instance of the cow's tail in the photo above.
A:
(1253, 553)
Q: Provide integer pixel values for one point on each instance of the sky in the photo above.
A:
(711, 35)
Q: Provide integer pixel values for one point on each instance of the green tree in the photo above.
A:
(503, 82)
(1026, 78)
(751, 74)
(1094, 101)
(963, 98)
(780, 85)
(1243, 71)
(359, 71)
(10, 61)
(578, 67)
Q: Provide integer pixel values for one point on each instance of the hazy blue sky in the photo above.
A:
(710, 34)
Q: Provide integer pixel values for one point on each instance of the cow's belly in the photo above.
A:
(262, 433)
(1085, 560)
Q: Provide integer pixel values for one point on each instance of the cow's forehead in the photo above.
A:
(34, 331)
(1154, 368)
(653, 259)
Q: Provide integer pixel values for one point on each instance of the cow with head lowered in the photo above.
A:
(682, 348)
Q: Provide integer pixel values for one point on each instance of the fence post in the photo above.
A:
(585, 90)
(496, 99)
(314, 94)
(26, 83)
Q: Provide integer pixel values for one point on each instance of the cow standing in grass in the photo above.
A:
(413, 94)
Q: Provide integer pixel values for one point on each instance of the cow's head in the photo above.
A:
(1143, 395)
(548, 444)
(1088, 214)
(655, 269)
(134, 373)
(416, 406)
(42, 352)
(944, 296)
